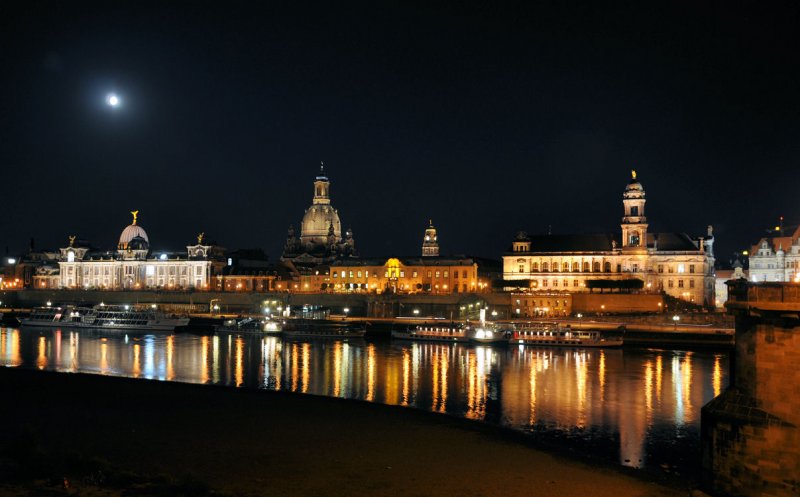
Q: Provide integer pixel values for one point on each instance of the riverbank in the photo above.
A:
(102, 435)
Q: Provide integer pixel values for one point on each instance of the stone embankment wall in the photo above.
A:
(616, 303)
(751, 433)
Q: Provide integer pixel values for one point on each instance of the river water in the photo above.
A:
(640, 407)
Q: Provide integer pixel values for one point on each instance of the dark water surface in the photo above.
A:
(639, 407)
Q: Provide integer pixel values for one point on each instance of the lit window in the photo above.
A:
(681, 268)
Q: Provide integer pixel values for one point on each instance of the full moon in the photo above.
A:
(112, 100)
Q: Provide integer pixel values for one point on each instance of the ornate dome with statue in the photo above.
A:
(130, 232)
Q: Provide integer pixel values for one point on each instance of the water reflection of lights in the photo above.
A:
(170, 357)
(136, 370)
(601, 374)
(370, 373)
(103, 357)
(41, 361)
(149, 357)
(337, 369)
(293, 356)
(717, 376)
(659, 368)
(648, 390)
(625, 395)
(306, 366)
(239, 361)
(215, 359)
(406, 377)
(204, 373)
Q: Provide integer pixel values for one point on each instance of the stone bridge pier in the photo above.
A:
(750, 434)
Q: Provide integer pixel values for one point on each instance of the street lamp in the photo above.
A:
(346, 311)
(416, 312)
(675, 320)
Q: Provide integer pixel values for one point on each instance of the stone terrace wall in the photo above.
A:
(750, 434)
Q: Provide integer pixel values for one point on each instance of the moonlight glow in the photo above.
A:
(112, 100)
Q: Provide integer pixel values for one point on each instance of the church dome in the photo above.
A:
(317, 221)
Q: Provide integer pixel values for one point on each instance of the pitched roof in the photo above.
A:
(606, 242)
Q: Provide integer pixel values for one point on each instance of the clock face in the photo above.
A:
(427, 238)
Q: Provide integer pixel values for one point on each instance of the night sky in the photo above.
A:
(487, 119)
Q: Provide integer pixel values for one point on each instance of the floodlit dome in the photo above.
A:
(317, 221)
(130, 232)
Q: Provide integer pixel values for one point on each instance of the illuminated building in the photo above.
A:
(722, 276)
(320, 231)
(428, 273)
(674, 263)
(132, 266)
(776, 258)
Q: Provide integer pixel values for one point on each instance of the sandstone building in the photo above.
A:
(674, 263)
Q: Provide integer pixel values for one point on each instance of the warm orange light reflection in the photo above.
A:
(41, 360)
(370, 373)
(239, 361)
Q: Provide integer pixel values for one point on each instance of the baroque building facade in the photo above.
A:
(675, 263)
(776, 258)
(132, 265)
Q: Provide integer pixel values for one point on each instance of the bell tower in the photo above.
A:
(634, 222)
(430, 244)
(322, 187)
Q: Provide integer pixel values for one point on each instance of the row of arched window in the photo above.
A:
(566, 267)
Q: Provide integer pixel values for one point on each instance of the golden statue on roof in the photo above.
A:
(633, 173)
(71, 240)
(200, 238)
(135, 213)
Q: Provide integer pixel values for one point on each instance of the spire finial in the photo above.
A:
(633, 173)
(321, 167)
(430, 222)
(135, 213)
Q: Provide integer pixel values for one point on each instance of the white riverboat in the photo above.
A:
(127, 317)
(106, 317)
(433, 333)
(558, 335)
(55, 316)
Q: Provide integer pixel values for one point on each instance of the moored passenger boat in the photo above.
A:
(317, 328)
(55, 316)
(127, 317)
(557, 335)
(433, 333)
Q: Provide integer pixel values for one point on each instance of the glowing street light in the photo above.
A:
(113, 100)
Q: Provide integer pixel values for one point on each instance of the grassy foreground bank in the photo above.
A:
(69, 434)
